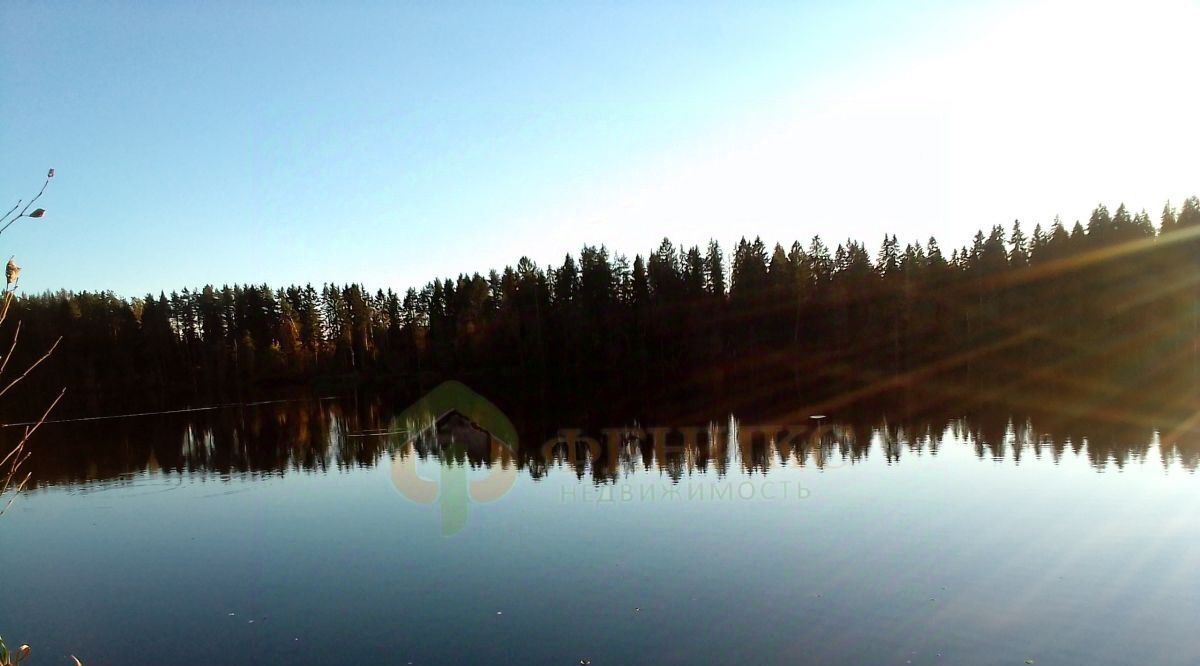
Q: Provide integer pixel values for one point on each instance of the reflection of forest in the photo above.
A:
(318, 435)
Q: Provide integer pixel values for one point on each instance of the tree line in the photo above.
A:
(1107, 305)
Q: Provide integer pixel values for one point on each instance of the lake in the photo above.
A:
(340, 530)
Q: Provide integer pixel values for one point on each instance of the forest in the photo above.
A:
(1108, 306)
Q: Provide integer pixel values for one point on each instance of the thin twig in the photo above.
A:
(29, 432)
(11, 348)
(26, 208)
(10, 210)
(19, 459)
(8, 297)
(30, 368)
(15, 452)
(13, 472)
(13, 469)
(16, 493)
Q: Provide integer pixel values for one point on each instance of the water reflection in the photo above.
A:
(943, 536)
(327, 435)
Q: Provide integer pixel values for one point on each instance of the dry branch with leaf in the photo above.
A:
(12, 482)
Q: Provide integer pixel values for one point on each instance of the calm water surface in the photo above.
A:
(314, 532)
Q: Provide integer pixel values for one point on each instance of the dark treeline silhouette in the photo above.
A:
(1108, 307)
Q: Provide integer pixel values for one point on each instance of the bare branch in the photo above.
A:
(12, 472)
(16, 492)
(10, 210)
(26, 208)
(30, 368)
(14, 467)
(18, 459)
(12, 347)
(8, 297)
(15, 452)
(37, 424)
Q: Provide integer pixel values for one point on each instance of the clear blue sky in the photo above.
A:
(389, 143)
